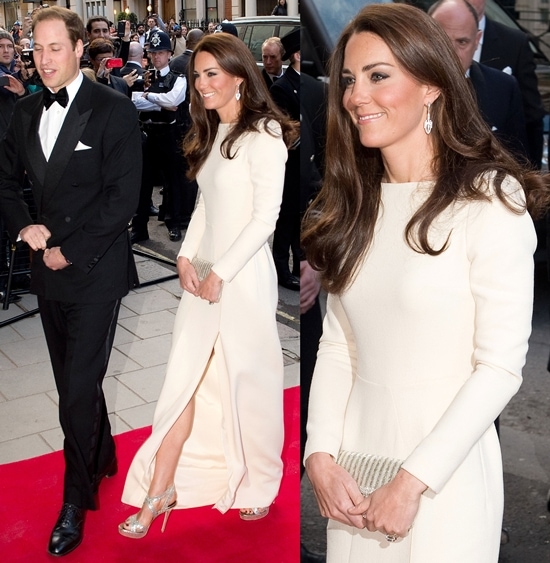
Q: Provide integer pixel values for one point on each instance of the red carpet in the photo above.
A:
(31, 498)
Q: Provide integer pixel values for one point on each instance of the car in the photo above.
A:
(255, 30)
(323, 21)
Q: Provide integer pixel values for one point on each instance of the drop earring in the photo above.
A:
(238, 94)
(428, 124)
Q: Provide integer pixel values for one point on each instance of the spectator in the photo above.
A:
(497, 93)
(178, 41)
(280, 9)
(16, 32)
(134, 66)
(100, 51)
(140, 30)
(272, 58)
(211, 27)
(158, 112)
(286, 239)
(508, 49)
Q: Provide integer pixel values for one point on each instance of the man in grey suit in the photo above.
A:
(80, 145)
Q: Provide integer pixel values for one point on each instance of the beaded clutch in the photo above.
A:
(202, 267)
(370, 471)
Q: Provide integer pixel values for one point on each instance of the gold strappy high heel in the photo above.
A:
(253, 513)
(132, 528)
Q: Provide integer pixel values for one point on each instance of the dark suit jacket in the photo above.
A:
(499, 101)
(130, 66)
(504, 46)
(286, 93)
(85, 194)
(267, 79)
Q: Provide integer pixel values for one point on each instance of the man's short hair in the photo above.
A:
(100, 46)
(274, 41)
(94, 19)
(73, 24)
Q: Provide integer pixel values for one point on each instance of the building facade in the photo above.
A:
(194, 12)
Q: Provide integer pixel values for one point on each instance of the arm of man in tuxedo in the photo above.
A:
(121, 180)
(13, 208)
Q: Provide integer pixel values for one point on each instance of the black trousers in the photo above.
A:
(80, 338)
(160, 162)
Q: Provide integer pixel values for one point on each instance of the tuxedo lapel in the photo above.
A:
(71, 131)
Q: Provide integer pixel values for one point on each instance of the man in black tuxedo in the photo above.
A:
(508, 50)
(80, 145)
(497, 93)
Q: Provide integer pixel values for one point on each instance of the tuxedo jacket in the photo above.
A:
(499, 101)
(85, 194)
(506, 47)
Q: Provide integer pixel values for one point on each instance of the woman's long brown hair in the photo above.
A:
(339, 226)
(256, 105)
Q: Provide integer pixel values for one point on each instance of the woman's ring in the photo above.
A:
(391, 537)
(211, 302)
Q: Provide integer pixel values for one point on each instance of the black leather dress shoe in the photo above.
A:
(307, 556)
(153, 211)
(68, 531)
(110, 471)
(290, 282)
(174, 233)
(138, 236)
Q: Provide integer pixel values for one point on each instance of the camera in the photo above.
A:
(113, 63)
(27, 57)
(121, 29)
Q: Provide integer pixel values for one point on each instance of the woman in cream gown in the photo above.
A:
(222, 395)
(429, 312)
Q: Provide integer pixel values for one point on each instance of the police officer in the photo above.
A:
(157, 113)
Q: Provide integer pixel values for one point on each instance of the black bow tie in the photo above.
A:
(61, 97)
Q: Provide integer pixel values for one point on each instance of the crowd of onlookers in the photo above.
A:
(147, 62)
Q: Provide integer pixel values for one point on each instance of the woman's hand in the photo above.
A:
(189, 280)
(210, 288)
(335, 489)
(391, 509)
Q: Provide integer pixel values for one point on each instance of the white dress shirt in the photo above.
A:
(52, 118)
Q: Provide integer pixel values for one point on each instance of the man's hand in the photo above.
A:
(309, 286)
(54, 259)
(36, 236)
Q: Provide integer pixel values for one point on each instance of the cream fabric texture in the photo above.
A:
(416, 361)
(233, 457)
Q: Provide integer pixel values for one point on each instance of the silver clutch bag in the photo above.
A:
(370, 471)
(202, 267)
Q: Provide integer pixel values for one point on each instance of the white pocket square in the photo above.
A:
(82, 147)
(507, 70)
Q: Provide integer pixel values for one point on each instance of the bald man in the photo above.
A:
(133, 66)
(497, 93)
(508, 49)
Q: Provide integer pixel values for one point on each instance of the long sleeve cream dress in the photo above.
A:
(229, 353)
(416, 361)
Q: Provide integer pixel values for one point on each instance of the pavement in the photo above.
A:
(29, 423)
